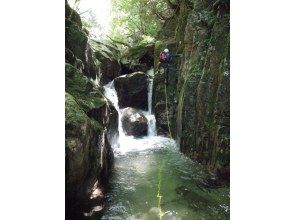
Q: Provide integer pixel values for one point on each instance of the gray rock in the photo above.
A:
(134, 122)
(132, 90)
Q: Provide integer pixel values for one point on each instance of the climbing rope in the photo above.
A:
(166, 107)
(159, 196)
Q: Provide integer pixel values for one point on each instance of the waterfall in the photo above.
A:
(126, 143)
(110, 94)
(150, 117)
(150, 74)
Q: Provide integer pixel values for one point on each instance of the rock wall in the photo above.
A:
(198, 106)
(91, 123)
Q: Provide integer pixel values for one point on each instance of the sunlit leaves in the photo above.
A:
(137, 20)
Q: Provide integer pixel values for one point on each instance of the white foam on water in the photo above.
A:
(129, 143)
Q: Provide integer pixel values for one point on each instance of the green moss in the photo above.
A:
(104, 50)
(72, 15)
(96, 126)
(82, 89)
(75, 39)
(132, 55)
(75, 120)
(181, 21)
(75, 117)
(199, 31)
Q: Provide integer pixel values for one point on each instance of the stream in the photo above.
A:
(152, 179)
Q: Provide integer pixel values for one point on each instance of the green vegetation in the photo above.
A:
(82, 89)
(140, 20)
(198, 95)
(193, 108)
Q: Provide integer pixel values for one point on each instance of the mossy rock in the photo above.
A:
(107, 49)
(72, 15)
(75, 40)
(139, 57)
(82, 89)
(108, 57)
(74, 117)
(200, 31)
(168, 29)
(137, 51)
(81, 151)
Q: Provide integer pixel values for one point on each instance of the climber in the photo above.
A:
(164, 58)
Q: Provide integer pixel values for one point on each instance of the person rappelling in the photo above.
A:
(165, 58)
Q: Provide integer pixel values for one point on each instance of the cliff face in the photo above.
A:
(198, 103)
(90, 121)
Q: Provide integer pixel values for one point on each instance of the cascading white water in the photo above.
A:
(150, 117)
(110, 94)
(151, 179)
(129, 143)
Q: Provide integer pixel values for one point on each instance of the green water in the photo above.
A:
(156, 181)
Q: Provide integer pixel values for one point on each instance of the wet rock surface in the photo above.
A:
(134, 122)
(132, 90)
(198, 94)
(88, 152)
(108, 57)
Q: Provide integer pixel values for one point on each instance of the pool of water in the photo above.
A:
(153, 180)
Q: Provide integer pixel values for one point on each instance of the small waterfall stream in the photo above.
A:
(127, 143)
(153, 180)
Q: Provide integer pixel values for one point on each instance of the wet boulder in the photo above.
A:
(110, 68)
(132, 90)
(134, 122)
(112, 128)
(108, 56)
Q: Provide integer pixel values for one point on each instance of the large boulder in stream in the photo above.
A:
(132, 90)
(134, 122)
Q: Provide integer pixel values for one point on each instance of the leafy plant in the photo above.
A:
(139, 20)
